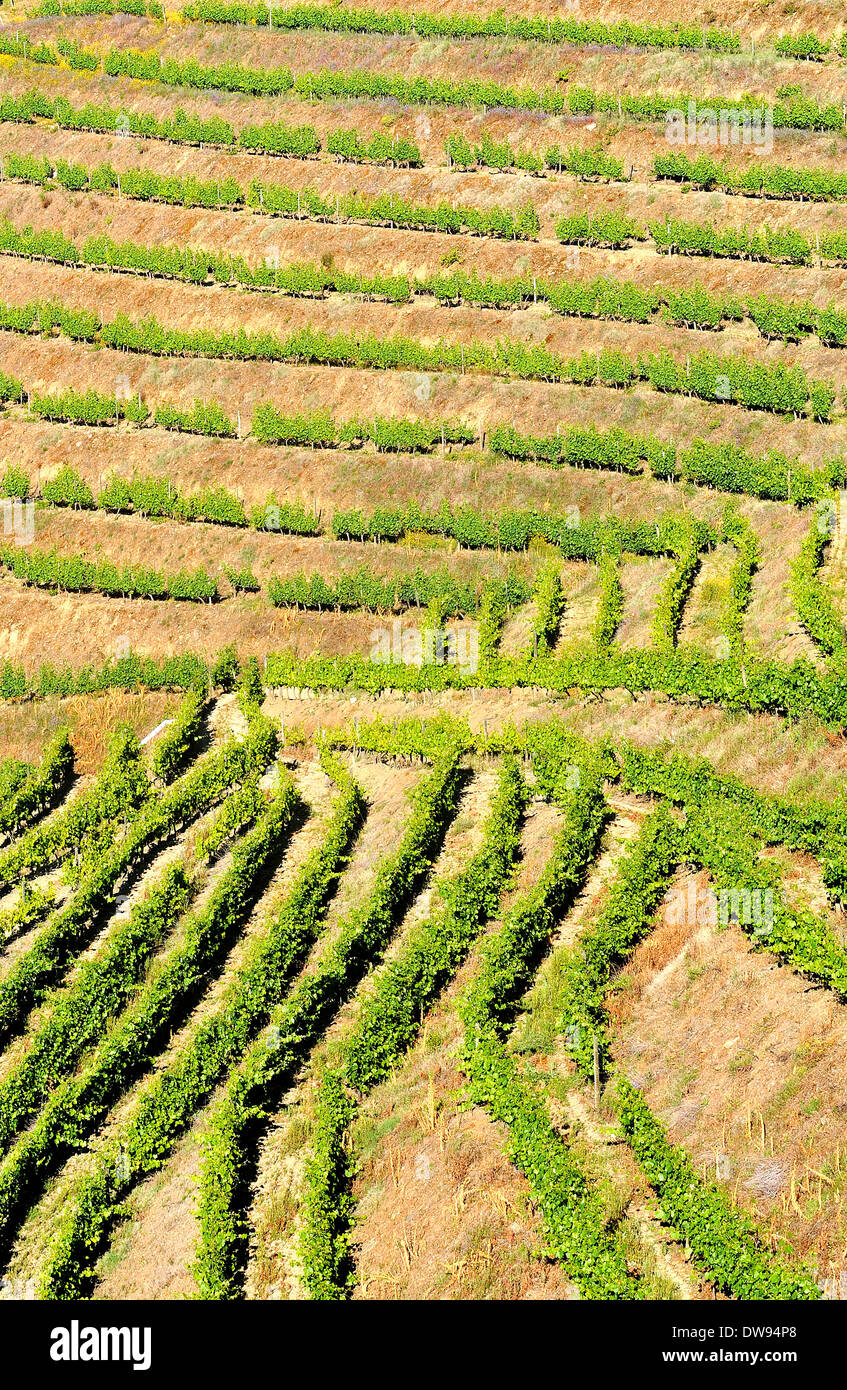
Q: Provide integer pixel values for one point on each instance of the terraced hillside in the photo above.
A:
(423, 666)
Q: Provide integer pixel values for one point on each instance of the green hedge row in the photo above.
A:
(796, 690)
(31, 908)
(130, 672)
(320, 430)
(754, 686)
(142, 1032)
(296, 1026)
(74, 575)
(327, 1203)
(549, 600)
(627, 916)
(706, 375)
(388, 1023)
(576, 538)
(142, 8)
(80, 1016)
(426, 24)
(39, 789)
(187, 128)
(146, 829)
(576, 1228)
(812, 600)
(757, 178)
(275, 199)
(179, 744)
(364, 589)
(731, 469)
(806, 46)
(157, 496)
(587, 164)
(120, 787)
(779, 245)
(795, 111)
(390, 1017)
(611, 605)
(603, 297)
(676, 588)
(722, 1241)
(739, 533)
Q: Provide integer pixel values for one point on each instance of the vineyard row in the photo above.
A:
(795, 111)
(603, 297)
(729, 379)
(426, 24)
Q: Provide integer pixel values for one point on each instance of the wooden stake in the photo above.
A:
(596, 1073)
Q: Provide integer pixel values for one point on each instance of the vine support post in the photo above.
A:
(596, 1060)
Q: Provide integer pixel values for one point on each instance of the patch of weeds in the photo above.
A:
(788, 1089)
(371, 1130)
(558, 1086)
(296, 1135)
(686, 1078)
(433, 1039)
(278, 1216)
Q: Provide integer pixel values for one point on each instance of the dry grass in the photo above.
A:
(90, 720)
(740, 1057)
